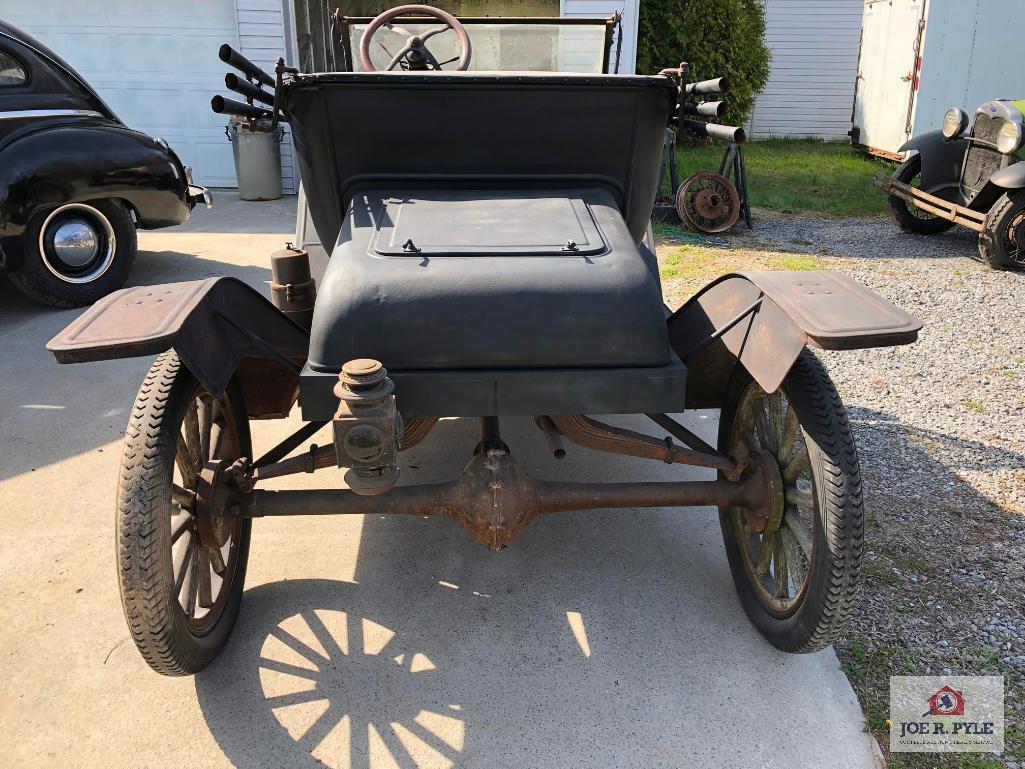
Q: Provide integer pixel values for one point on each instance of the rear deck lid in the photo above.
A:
(485, 223)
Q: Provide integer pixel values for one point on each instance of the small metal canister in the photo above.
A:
(292, 288)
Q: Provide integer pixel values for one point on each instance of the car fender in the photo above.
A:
(1010, 178)
(78, 162)
(220, 328)
(941, 159)
(763, 320)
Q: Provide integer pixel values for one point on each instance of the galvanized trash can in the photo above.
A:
(257, 160)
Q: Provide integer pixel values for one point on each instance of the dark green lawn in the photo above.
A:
(796, 176)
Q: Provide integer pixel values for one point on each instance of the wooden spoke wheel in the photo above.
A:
(795, 564)
(181, 556)
(707, 202)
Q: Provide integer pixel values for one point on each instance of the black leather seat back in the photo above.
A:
(501, 130)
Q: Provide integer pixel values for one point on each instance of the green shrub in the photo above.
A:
(716, 37)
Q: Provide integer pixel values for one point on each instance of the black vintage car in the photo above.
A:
(75, 181)
(974, 178)
(492, 260)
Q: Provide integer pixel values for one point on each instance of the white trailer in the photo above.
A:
(918, 58)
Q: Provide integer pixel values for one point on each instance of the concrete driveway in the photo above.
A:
(608, 639)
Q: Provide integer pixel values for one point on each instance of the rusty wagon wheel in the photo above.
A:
(796, 566)
(707, 202)
(181, 560)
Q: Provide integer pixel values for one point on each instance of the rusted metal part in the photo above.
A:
(770, 517)
(366, 427)
(820, 307)
(316, 458)
(599, 436)
(708, 202)
(213, 324)
(322, 457)
(679, 431)
(495, 500)
(214, 499)
(552, 436)
(292, 288)
(967, 217)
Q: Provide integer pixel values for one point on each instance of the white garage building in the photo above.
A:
(156, 65)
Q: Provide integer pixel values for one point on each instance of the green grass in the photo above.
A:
(795, 176)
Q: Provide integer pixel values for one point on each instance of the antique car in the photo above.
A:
(492, 260)
(974, 178)
(75, 182)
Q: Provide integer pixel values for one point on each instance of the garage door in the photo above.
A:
(155, 64)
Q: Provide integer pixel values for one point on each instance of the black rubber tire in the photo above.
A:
(144, 555)
(35, 281)
(900, 208)
(835, 568)
(995, 244)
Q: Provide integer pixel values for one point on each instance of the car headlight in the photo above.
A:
(955, 121)
(1009, 138)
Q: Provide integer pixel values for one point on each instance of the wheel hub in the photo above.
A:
(769, 516)
(75, 243)
(214, 503)
(708, 203)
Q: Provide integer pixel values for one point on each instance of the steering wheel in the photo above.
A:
(415, 52)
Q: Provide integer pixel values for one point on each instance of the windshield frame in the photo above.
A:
(343, 24)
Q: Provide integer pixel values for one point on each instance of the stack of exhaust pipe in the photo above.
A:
(690, 108)
(249, 87)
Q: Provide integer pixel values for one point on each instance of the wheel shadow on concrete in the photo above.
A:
(53, 412)
(608, 638)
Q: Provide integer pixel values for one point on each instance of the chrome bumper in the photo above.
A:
(197, 194)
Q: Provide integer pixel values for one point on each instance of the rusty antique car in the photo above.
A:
(973, 176)
(492, 259)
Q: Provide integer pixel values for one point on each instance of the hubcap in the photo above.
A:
(75, 243)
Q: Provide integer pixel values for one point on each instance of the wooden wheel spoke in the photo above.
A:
(184, 498)
(795, 496)
(192, 439)
(204, 417)
(181, 570)
(184, 525)
(795, 558)
(216, 439)
(796, 467)
(186, 465)
(203, 596)
(780, 575)
(764, 554)
(762, 425)
(192, 588)
(788, 435)
(217, 562)
(793, 525)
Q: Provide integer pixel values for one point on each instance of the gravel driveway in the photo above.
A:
(941, 431)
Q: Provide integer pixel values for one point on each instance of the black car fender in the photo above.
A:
(941, 159)
(79, 162)
(220, 328)
(1010, 178)
(762, 320)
